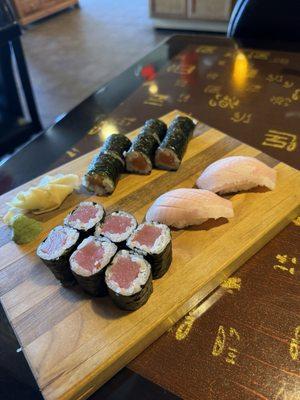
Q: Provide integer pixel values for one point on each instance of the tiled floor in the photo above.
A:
(71, 54)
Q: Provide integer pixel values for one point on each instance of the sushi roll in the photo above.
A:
(140, 157)
(158, 127)
(85, 217)
(153, 241)
(117, 227)
(169, 154)
(89, 261)
(129, 280)
(116, 144)
(55, 251)
(103, 173)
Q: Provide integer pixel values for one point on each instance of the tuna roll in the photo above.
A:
(85, 217)
(55, 251)
(153, 241)
(116, 144)
(140, 157)
(158, 127)
(117, 227)
(170, 152)
(103, 173)
(129, 280)
(89, 261)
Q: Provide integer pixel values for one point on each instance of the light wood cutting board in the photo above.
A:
(74, 343)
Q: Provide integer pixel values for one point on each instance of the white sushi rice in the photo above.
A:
(72, 237)
(137, 283)
(109, 251)
(77, 224)
(160, 243)
(118, 237)
(104, 184)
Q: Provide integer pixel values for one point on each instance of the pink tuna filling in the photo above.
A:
(116, 224)
(90, 256)
(83, 213)
(147, 235)
(124, 271)
(55, 241)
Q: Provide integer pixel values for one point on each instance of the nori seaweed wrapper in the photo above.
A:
(116, 144)
(135, 301)
(184, 123)
(60, 267)
(145, 143)
(158, 127)
(177, 138)
(160, 263)
(103, 166)
(95, 284)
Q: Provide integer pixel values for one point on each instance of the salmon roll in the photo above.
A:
(153, 241)
(55, 251)
(117, 227)
(89, 261)
(85, 217)
(169, 154)
(129, 280)
(140, 157)
(116, 144)
(103, 173)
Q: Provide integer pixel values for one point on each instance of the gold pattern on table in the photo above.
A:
(277, 78)
(157, 99)
(252, 72)
(73, 152)
(183, 97)
(295, 344)
(280, 101)
(212, 75)
(232, 284)
(224, 101)
(180, 83)
(225, 343)
(296, 95)
(182, 69)
(125, 121)
(222, 63)
(239, 117)
(280, 140)
(186, 325)
(253, 88)
(206, 49)
(286, 263)
(212, 89)
(229, 54)
(280, 60)
(258, 55)
(296, 221)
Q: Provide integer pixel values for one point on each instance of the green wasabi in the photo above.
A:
(25, 229)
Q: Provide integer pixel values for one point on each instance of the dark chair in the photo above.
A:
(265, 19)
(18, 113)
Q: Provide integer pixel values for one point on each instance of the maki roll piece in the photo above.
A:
(129, 280)
(85, 217)
(103, 173)
(115, 145)
(89, 261)
(55, 251)
(141, 154)
(117, 227)
(153, 241)
(158, 128)
(170, 152)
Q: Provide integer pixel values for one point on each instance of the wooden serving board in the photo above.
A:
(74, 343)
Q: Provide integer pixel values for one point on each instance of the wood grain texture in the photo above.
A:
(73, 343)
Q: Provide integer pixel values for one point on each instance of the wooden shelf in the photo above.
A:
(32, 10)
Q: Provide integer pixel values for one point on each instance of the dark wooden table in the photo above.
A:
(243, 341)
